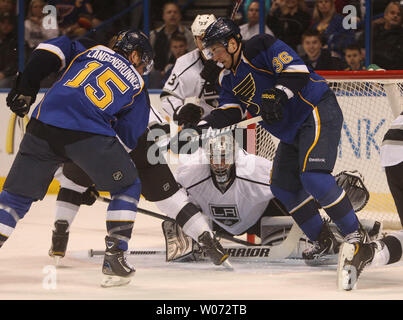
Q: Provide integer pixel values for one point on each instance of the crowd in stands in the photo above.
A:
(317, 34)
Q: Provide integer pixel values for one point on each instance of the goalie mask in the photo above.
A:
(222, 153)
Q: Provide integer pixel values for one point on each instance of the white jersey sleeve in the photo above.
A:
(185, 85)
(392, 145)
(242, 204)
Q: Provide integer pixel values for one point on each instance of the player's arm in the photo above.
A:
(48, 57)
(177, 88)
(230, 109)
(132, 120)
(287, 67)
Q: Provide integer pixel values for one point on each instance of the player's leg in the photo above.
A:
(74, 184)
(110, 167)
(318, 143)
(159, 186)
(28, 180)
(394, 175)
(381, 252)
(287, 187)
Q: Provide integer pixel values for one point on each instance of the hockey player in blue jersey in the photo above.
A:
(264, 76)
(99, 86)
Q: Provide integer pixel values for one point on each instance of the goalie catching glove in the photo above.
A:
(353, 184)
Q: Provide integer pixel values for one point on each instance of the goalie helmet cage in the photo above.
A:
(370, 100)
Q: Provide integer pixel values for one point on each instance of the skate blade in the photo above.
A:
(327, 260)
(114, 281)
(227, 265)
(346, 275)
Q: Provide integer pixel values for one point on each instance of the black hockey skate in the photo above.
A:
(212, 247)
(324, 250)
(354, 255)
(60, 237)
(117, 271)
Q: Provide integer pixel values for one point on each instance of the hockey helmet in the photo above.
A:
(201, 23)
(128, 41)
(220, 31)
(222, 151)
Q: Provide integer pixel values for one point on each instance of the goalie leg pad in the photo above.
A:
(179, 246)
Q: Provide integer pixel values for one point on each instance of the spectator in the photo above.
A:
(74, 16)
(316, 56)
(251, 28)
(8, 50)
(178, 47)
(160, 38)
(387, 39)
(245, 8)
(330, 24)
(35, 33)
(288, 20)
(354, 58)
(7, 7)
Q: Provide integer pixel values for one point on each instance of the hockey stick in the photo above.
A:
(286, 247)
(259, 252)
(11, 133)
(163, 217)
(235, 9)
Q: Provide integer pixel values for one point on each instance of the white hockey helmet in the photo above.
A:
(201, 23)
(222, 152)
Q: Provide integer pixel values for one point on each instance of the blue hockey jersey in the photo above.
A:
(98, 87)
(266, 62)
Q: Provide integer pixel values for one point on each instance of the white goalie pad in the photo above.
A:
(179, 246)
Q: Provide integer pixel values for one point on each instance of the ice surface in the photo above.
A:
(27, 272)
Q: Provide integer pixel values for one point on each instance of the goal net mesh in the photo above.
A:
(369, 106)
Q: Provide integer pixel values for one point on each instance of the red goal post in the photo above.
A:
(370, 100)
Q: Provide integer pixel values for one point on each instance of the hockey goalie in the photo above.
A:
(232, 188)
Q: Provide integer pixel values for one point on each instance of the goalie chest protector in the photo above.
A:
(244, 201)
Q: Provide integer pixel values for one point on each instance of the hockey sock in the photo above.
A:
(390, 249)
(186, 214)
(303, 210)
(323, 187)
(121, 214)
(67, 205)
(12, 208)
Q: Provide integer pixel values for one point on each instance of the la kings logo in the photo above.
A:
(225, 214)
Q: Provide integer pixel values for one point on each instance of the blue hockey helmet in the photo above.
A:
(128, 41)
(220, 31)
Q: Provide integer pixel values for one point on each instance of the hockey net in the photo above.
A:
(370, 100)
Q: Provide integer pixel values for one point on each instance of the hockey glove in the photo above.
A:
(89, 196)
(187, 140)
(188, 114)
(210, 71)
(19, 100)
(273, 101)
